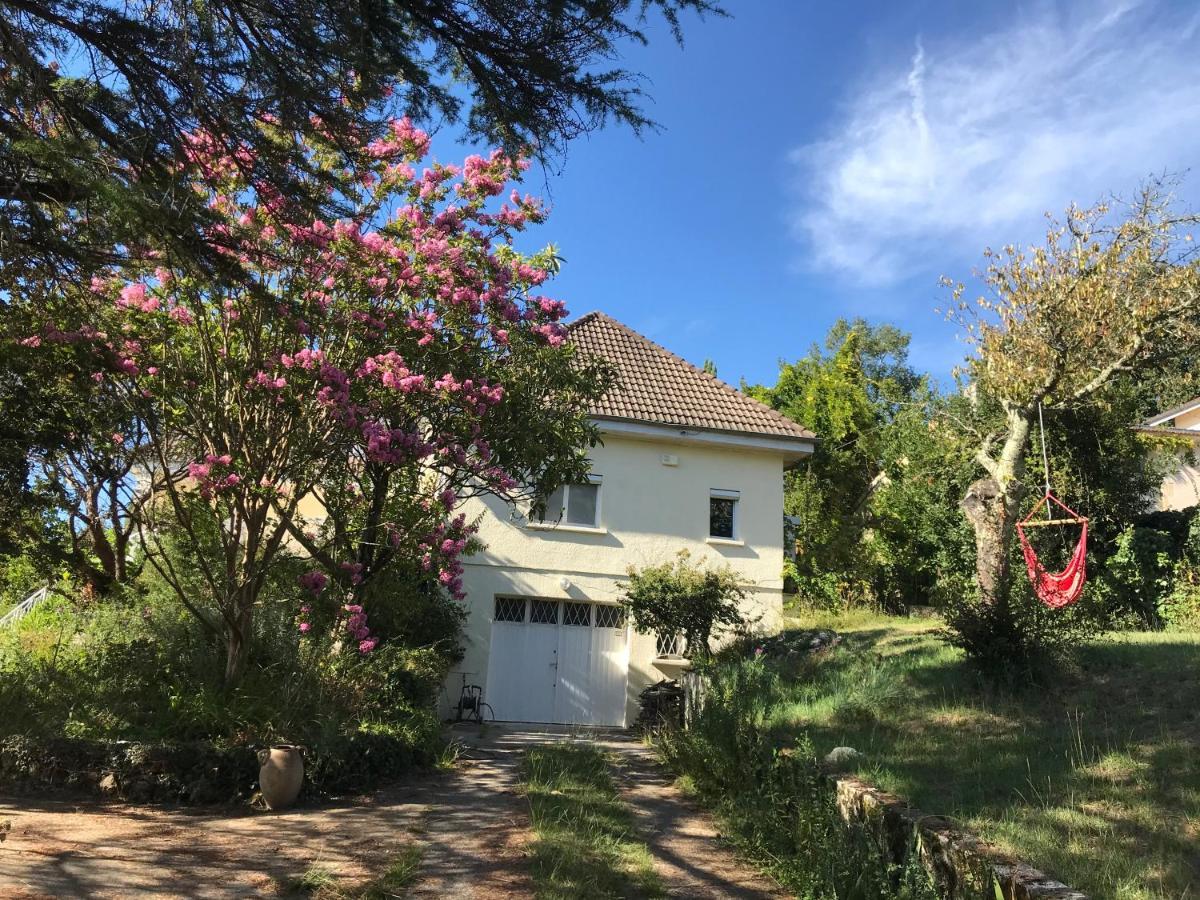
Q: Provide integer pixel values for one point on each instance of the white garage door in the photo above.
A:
(557, 661)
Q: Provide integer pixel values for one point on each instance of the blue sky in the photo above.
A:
(824, 160)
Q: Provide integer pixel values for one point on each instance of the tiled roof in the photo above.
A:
(658, 387)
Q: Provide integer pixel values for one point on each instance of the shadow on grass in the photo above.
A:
(1095, 779)
(586, 843)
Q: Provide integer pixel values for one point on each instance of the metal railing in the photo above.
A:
(22, 609)
(671, 646)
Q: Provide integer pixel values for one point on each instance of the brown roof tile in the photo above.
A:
(656, 386)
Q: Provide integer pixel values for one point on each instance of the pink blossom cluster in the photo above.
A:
(135, 296)
(263, 380)
(441, 550)
(214, 476)
(391, 371)
(486, 177)
(356, 625)
(403, 140)
(393, 445)
(314, 581)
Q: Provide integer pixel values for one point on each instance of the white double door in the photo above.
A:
(551, 671)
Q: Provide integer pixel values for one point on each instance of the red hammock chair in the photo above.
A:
(1056, 589)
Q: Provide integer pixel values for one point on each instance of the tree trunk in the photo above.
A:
(235, 656)
(992, 506)
(237, 643)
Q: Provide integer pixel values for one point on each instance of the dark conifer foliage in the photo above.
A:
(98, 97)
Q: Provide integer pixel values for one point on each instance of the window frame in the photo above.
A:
(735, 517)
(497, 599)
(596, 481)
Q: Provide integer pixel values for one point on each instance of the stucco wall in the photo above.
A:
(1189, 419)
(1181, 488)
(648, 512)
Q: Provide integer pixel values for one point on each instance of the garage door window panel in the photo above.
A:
(610, 617)
(509, 609)
(543, 612)
(577, 614)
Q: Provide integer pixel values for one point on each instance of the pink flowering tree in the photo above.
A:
(368, 376)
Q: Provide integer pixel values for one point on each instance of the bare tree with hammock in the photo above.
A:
(1114, 290)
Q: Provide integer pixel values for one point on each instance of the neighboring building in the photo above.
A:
(687, 462)
(1181, 488)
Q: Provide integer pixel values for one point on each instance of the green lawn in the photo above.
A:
(586, 844)
(1096, 781)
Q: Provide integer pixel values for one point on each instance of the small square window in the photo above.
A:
(575, 504)
(722, 514)
(577, 614)
(543, 612)
(510, 609)
(582, 503)
(609, 616)
(556, 505)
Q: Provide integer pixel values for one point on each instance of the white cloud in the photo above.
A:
(971, 141)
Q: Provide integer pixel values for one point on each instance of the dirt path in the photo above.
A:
(60, 849)
(471, 824)
(474, 838)
(684, 841)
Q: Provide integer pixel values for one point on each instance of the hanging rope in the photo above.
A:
(1055, 589)
(1045, 455)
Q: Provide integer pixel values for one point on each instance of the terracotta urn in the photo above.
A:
(281, 775)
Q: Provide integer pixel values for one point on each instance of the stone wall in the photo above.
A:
(961, 862)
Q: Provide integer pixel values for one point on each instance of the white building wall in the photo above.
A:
(1181, 488)
(648, 513)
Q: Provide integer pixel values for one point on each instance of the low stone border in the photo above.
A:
(193, 772)
(956, 858)
(189, 773)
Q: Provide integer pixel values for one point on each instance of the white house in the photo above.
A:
(1181, 487)
(686, 462)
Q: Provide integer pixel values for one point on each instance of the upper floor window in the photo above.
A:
(575, 504)
(723, 514)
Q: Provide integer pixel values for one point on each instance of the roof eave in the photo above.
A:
(1170, 414)
(1167, 431)
(794, 448)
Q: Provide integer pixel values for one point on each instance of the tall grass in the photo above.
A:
(1095, 779)
(767, 789)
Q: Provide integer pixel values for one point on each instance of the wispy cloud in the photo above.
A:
(970, 141)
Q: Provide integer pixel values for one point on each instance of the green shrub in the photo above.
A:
(19, 576)
(1180, 608)
(1022, 642)
(175, 772)
(835, 592)
(682, 597)
(1138, 575)
(138, 668)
